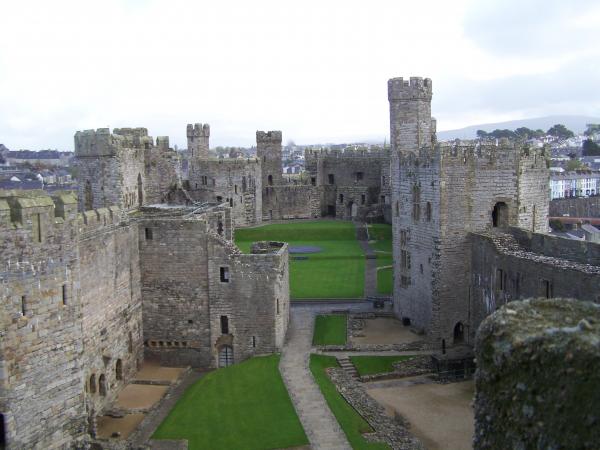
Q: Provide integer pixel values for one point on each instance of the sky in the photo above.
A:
(317, 70)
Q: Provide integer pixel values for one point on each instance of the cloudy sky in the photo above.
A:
(317, 70)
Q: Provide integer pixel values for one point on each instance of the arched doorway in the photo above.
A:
(140, 190)
(88, 196)
(351, 210)
(459, 333)
(500, 215)
(226, 356)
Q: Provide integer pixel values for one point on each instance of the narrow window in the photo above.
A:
(224, 272)
(253, 341)
(148, 232)
(119, 369)
(359, 176)
(341, 198)
(64, 294)
(38, 222)
(231, 202)
(2, 432)
(313, 181)
(102, 385)
(24, 305)
(331, 178)
(235, 188)
(270, 180)
(428, 212)
(224, 325)
(547, 285)
(363, 198)
(93, 383)
(130, 342)
(499, 280)
(220, 228)
(397, 208)
(277, 306)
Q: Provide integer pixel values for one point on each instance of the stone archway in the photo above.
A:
(459, 333)
(500, 215)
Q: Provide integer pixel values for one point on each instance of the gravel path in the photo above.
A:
(320, 425)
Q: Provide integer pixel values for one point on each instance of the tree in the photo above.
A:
(560, 131)
(481, 134)
(590, 148)
(592, 129)
(575, 164)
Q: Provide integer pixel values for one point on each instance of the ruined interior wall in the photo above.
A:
(575, 207)
(237, 182)
(162, 172)
(257, 282)
(538, 371)
(290, 202)
(499, 275)
(102, 174)
(41, 368)
(174, 267)
(109, 289)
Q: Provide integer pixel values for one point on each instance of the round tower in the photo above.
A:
(268, 150)
(411, 126)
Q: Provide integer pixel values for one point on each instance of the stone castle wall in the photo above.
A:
(575, 207)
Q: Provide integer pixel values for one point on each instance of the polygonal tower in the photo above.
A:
(268, 150)
(197, 138)
(411, 125)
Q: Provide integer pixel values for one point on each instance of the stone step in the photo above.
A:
(346, 364)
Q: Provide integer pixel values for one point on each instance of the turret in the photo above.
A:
(411, 125)
(197, 137)
(268, 150)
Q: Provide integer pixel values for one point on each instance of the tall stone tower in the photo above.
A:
(411, 125)
(197, 137)
(268, 150)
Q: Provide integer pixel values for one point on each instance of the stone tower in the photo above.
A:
(197, 137)
(411, 125)
(268, 150)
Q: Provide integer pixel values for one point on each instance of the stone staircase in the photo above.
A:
(347, 365)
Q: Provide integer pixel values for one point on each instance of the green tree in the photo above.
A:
(575, 164)
(560, 131)
(590, 148)
(481, 134)
(592, 129)
(525, 133)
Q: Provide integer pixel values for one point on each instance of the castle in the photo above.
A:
(141, 264)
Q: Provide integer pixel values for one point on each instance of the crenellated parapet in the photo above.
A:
(347, 153)
(198, 130)
(268, 137)
(102, 142)
(415, 88)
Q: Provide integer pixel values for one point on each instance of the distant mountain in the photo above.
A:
(573, 123)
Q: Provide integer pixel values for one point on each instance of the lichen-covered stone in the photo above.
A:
(538, 376)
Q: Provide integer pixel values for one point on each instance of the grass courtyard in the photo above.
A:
(330, 329)
(381, 233)
(337, 271)
(350, 421)
(368, 365)
(242, 406)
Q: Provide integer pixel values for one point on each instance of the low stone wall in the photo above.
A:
(538, 376)
(404, 347)
(393, 432)
(417, 365)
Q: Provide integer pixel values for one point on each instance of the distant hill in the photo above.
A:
(573, 123)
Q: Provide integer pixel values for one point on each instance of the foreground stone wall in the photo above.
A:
(538, 376)
(575, 207)
(41, 343)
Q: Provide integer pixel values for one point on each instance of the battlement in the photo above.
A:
(501, 152)
(198, 130)
(162, 142)
(98, 219)
(101, 142)
(347, 153)
(268, 137)
(416, 88)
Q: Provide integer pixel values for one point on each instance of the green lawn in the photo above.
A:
(338, 271)
(330, 329)
(381, 233)
(368, 365)
(350, 421)
(242, 406)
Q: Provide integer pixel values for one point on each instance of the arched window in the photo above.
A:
(88, 196)
(459, 333)
(500, 215)
(93, 383)
(119, 369)
(140, 190)
(102, 385)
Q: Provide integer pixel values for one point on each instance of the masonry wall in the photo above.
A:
(575, 207)
(111, 305)
(41, 367)
(255, 299)
(162, 172)
(290, 202)
(237, 182)
(502, 270)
